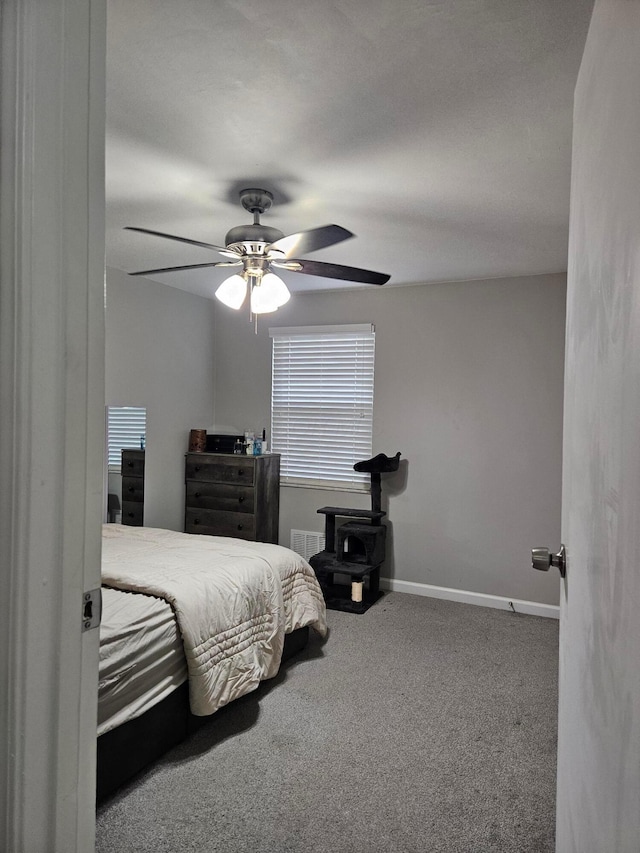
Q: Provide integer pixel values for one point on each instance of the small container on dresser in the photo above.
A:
(233, 495)
(133, 487)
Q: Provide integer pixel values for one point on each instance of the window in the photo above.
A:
(126, 428)
(322, 404)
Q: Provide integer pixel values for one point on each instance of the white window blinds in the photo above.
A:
(126, 428)
(322, 404)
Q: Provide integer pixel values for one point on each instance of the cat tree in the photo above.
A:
(355, 549)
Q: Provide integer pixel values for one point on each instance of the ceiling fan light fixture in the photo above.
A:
(269, 294)
(232, 291)
(278, 288)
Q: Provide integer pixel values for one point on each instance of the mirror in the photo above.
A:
(126, 439)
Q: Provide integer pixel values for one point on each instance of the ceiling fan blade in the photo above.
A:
(311, 240)
(220, 249)
(177, 269)
(339, 271)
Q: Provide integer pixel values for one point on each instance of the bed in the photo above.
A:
(189, 624)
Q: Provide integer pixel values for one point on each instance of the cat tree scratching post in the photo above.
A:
(355, 549)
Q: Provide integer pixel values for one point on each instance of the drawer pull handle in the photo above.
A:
(197, 468)
(241, 499)
(197, 495)
(240, 472)
(132, 488)
(196, 521)
(240, 527)
(130, 464)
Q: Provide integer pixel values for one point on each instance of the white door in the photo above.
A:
(51, 417)
(599, 717)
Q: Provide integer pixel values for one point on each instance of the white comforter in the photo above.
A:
(234, 600)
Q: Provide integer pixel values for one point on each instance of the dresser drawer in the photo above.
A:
(220, 496)
(132, 513)
(133, 489)
(215, 523)
(227, 469)
(133, 463)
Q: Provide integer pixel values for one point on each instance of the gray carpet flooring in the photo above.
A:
(422, 726)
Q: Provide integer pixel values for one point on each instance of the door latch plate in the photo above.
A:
(91, 609)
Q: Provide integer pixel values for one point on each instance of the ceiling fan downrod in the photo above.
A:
(254, 238)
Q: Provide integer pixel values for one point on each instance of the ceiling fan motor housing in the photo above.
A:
(243, 234)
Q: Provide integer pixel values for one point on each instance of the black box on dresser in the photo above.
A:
(233, 495)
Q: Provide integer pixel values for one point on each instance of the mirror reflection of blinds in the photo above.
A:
(322, 404)
(125, 426)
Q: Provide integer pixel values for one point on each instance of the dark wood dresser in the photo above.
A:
(133, 487)
(233, 495)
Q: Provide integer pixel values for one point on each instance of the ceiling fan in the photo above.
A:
(256, 250)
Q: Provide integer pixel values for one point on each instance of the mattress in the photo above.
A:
(141, 656)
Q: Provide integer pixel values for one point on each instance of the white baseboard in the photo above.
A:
(532, 608)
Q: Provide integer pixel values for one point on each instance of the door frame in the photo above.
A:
(52, 106)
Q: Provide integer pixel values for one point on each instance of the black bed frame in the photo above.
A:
(126, 750)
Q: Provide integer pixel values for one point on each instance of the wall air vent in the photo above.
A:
(306, 542)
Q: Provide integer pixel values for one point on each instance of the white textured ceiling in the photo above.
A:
(438, 131)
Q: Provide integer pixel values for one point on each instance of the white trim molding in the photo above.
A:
(515, 605)
(52, 80)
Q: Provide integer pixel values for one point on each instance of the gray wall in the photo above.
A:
(599, 718)
(159, 354)
(469, 387)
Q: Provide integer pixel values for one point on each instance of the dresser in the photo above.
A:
(229, 494)
(133, 487)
